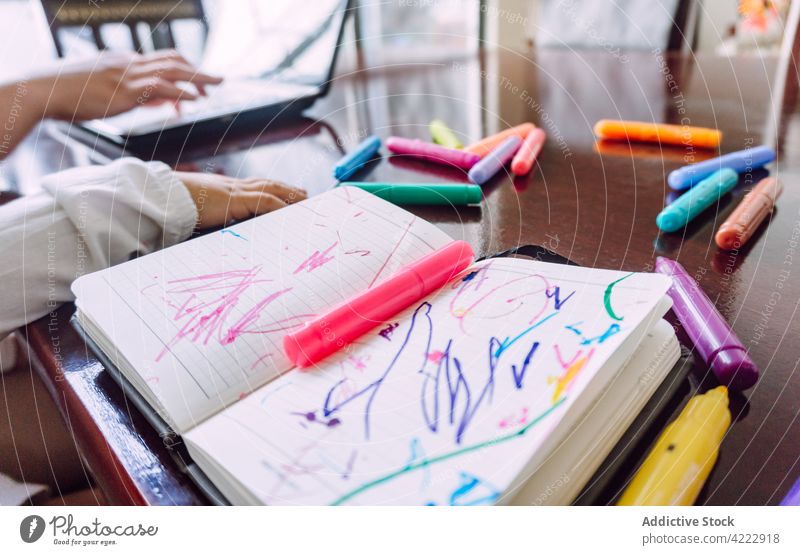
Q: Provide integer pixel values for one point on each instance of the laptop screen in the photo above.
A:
(266, 51)
(283, 39)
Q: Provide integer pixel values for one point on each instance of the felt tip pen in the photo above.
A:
(456, 194)
(346, 322)
(676, 469)
(443, 135)
(485, 146)
(432, 152)
(494, 161)
(661, 133)
(792, 498)
(754, 209)
(714, 340)
(356, 159)
(740, 161)
(528, 151)
(692, 203)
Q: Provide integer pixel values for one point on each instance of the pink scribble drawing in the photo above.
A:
(213, 307)
(391, 254)
(515, 419)
(146, 287)
(362, 252)
(476, 279)
(316, 260)
(260, 359)
(357, 362)
(566, 364)
(435, 356)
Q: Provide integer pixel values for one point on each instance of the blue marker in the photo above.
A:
(739, 161)
(354, 160)
(494, 161)
(695, 200)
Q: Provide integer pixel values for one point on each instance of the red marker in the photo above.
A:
(528, 151)
(343, 324)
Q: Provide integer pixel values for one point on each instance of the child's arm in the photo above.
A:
(87, 219)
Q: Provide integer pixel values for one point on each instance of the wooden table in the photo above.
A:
(595, 204)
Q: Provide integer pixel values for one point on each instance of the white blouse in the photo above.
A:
(83, 220)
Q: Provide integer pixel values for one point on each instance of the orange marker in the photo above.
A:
(754, 208)
(528, 151)
(663, 133)
(485, 146)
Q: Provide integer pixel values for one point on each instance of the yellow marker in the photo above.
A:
(443, 135)
(677, 467)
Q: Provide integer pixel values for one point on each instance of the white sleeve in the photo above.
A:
(85, 219)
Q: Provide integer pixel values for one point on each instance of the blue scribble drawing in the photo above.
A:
(232, 232)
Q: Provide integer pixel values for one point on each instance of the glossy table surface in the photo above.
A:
(593, 203)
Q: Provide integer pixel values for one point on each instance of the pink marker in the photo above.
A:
(528, 151)
(343, 324)
(432, 152)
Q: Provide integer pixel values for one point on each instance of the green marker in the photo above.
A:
(690, 204)
(422, 193)
(443, 135)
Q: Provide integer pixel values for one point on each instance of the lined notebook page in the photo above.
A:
(448, 403)
(202, 322)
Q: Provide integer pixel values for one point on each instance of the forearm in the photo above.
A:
(22, 106)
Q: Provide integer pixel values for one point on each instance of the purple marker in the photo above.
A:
(494, 161)
(435, 153)
(792, 498)
(715, 341)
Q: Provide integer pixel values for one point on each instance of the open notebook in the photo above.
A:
(461, 399)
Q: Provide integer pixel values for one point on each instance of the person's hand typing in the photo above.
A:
(221, 199)
(114, 83)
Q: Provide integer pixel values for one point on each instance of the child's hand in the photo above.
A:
(220, 199)
(114, 83)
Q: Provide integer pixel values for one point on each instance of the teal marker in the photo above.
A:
(422, 193)
(689, 205)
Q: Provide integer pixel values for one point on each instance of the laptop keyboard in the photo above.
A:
(230, 97)
(237, 95)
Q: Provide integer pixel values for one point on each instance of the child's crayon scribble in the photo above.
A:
(232, 232)
(465, 304)
(391, 253)
(607, 297)
(386, 332)
(471, 490)
(311, 416)
(261, 359)
(514, 420)
(417, 453)
(316, 260)
(566, 379)
(219, 307)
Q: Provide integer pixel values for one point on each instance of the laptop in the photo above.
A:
(275, 66)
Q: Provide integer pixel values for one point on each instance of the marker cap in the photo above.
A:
(733, 366)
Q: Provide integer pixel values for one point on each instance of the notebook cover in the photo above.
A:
(172, 441)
